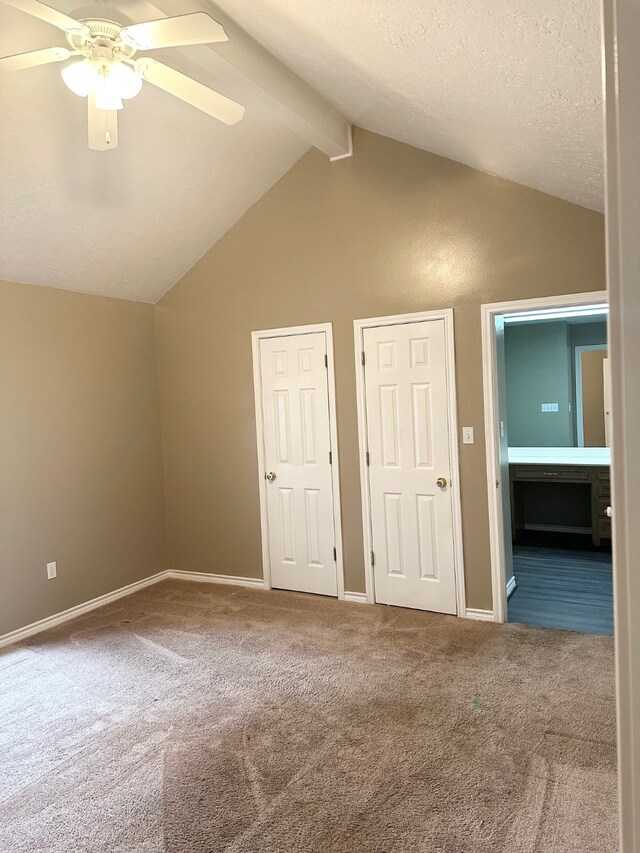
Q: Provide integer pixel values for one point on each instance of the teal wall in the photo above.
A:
(588, 334)
(540, 369)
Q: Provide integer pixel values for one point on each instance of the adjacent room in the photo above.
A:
(555, 435)
(559, 519)
(305, 429)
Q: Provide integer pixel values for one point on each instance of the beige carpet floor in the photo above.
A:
(197, 718)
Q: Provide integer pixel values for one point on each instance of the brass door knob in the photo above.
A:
(441, 481)
(270, 476)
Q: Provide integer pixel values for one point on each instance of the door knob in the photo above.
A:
(270, 476)
(441, 481)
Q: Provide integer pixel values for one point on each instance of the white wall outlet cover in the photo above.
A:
(467, 435)
(52, 571)
(549, 407)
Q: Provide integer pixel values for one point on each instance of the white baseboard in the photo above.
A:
(202, 577)
(173, 574)
(78, 610)
(483, 615)
(356, 597)
(511, 586)
(58, 618)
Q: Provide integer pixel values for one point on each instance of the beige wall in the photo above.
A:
(80, 450)
(391, 230)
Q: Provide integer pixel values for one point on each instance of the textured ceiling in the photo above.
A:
(509, 86)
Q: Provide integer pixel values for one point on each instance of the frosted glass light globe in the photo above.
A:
(81, 77)
(125, 80)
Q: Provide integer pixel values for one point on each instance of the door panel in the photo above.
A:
(297, 444)
(408, 440)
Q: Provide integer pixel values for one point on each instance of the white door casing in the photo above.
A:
(496, 483)
(293, 408)
(606, 384)
(501, 379)
(408, 440)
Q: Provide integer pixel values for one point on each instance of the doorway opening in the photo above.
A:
(547, 405)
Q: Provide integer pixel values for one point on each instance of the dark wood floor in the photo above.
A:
(559, 588)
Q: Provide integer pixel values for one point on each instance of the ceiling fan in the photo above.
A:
(106, 74)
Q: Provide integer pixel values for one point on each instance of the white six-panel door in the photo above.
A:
(408, 439)
(297, 462)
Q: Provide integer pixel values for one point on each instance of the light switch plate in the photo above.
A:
(549, 407)
(52, 571)
(467, 435)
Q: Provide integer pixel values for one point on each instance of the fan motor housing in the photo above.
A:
(102, 42)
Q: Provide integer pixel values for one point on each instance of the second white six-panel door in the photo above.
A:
(297, 447)
(409, 465)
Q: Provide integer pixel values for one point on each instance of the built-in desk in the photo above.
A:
(589, 466)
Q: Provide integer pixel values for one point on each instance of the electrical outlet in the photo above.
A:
(52, 571)
(549, 407)
(467, 435)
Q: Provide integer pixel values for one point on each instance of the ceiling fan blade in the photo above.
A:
(181, 30)
(103, 127)
(189, 90)
(34, 57)
(46, 13)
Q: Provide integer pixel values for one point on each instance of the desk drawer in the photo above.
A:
(603, 482)
(604, 527)
(550, 472)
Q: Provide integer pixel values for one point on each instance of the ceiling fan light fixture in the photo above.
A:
(105, 72)
(110, 83)
(81, 77)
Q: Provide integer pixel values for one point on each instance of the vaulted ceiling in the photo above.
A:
(509, 87)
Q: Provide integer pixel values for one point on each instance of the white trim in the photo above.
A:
(481, 615)
(577, 370)
(208, 577)
(512, 586)
(73, 612)
(359, 327)
(491, 424)
(256, 337)
(621, 27)
(356, 597)
(349, 151)
(169, 574)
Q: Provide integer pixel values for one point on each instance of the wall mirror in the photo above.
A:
(557, 378)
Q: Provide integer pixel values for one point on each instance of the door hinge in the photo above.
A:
(363, 358)
(368, 458)
(335, 554)
(373, 559)
(330, 458)
(326, 360)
